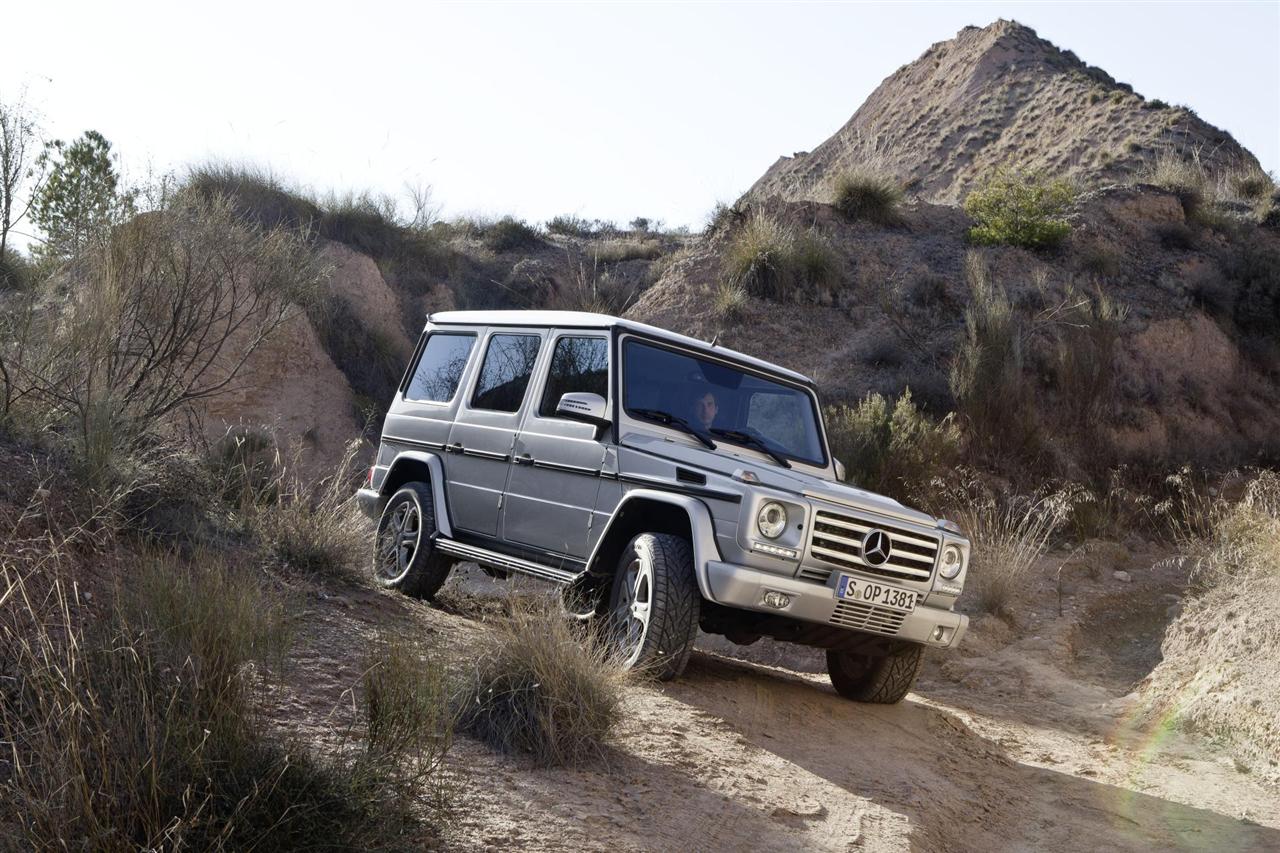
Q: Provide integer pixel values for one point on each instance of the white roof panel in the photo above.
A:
(587, 320)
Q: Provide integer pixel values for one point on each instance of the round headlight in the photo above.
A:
(952, 562)
(772, 519)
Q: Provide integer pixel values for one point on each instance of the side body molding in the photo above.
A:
(433, 463)
(700, 526)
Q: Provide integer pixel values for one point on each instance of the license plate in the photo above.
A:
(856, 589)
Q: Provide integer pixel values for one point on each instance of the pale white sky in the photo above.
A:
(608, 111)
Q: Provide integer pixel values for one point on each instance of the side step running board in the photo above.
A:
(504, 561)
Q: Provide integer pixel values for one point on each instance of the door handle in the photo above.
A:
(524, 459)
(456, 447)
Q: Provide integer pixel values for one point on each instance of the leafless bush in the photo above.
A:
(1087, 339)
(166, 313)
(540, 690)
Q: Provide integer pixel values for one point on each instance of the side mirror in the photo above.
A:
(840, 472)
(586, 407)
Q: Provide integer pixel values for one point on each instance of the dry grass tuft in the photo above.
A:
(541, 690)
(137, 726)
(1008, 537)
(312, 527)
(867, 193)
(768, 258)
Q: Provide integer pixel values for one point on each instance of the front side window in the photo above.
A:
(440, 368)
(721, 402)
(508, 364)
(577, 364)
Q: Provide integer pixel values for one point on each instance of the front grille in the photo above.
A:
(867, 617)
(837, 541)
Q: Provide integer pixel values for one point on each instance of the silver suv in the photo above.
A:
(668, 484)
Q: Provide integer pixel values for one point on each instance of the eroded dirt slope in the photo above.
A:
(1027, 739)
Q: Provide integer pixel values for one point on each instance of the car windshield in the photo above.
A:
(723, 402)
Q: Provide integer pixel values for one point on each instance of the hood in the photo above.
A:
(730, 458)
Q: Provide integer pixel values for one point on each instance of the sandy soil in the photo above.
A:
(1025, 739)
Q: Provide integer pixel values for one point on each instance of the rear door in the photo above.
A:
(551, 493)
(483, 435)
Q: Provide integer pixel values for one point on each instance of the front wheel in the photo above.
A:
(653, 608)
(881, 679)
(404, 555)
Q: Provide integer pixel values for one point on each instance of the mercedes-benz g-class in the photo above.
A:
(668, 484)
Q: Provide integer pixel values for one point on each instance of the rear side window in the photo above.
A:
(504, 376)
(577, 364)
(440, 368)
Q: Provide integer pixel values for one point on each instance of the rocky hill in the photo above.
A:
(999, 96)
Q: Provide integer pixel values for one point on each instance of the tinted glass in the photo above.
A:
(505, 372)
(578, 364)
(715, 396)
(440, 368)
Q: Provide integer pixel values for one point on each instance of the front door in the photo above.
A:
(482, 438)
(551, 493)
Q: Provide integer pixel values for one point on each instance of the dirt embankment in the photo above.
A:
(1026, 738)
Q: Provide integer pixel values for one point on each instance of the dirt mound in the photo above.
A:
(999, 96)
(1221, 673)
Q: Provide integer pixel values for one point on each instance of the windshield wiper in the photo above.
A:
(752, 441)
(668, 419)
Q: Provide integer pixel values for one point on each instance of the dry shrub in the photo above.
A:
(759, 255)
(540, 690)
(1220, 668)
(586, 287)
(986, 377)
(616, 251)
(1009, 535)
(769, 259)
(313, 526)
(729, 299)
(1087, 340)
(406, 699)
(867, 192)
(894, 449)
(139, 729)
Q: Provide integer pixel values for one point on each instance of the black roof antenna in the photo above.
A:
(715, 338)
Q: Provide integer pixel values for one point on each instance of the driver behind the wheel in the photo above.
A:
(705, 409)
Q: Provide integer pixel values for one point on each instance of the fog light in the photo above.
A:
(938, 634)
(776, 600)
(774, 550)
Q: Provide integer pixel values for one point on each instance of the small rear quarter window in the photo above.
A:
(440, 368)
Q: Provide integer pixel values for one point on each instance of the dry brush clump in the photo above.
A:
(541, 690)
(309, 526)
(1220, 668)
(769, 259)
(165, 311)
(892, 448)
(137, 723)
(1009, 535)
(867, 192)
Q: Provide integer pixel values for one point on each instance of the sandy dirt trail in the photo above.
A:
(1028, 743)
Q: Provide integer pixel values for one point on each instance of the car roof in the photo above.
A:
(588, 320)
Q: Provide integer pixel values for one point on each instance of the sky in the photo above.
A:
(607, 111)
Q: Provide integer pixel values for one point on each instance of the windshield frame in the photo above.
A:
(805, 388)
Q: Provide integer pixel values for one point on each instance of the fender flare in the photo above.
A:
(702, 530)
(436, 467)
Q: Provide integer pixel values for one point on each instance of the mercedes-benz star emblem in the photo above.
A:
(876, 548)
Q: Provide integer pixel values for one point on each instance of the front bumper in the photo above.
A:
(744, 588)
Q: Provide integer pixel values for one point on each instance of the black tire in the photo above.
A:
(404, 555)
(882, 679)
(665, 577)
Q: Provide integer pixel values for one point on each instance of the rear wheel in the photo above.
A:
(653, 608)
(404, 556)
(882, 679)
